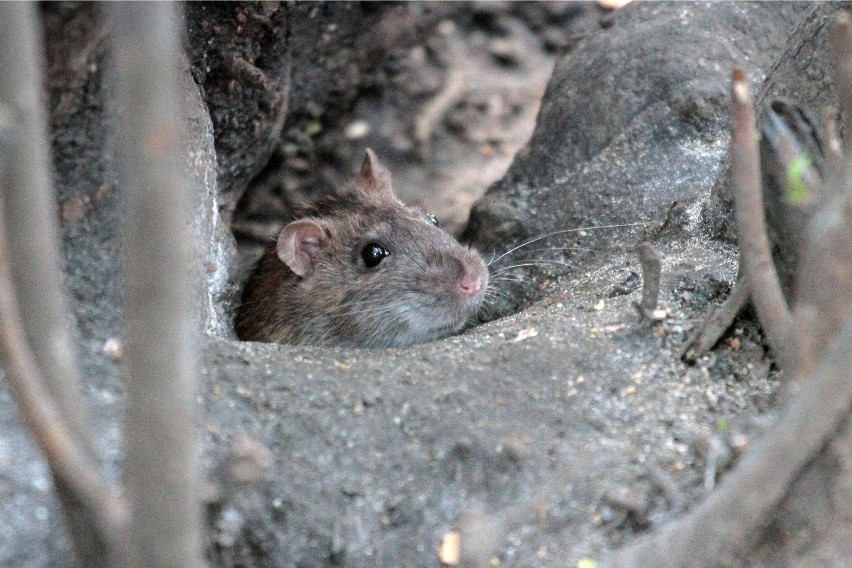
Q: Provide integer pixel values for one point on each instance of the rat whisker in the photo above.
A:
(510, 278)
(562, 232)
(584, 249)
(533, 263)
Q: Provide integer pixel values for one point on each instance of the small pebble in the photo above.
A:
(357, 130)
(449, 553)
(114, 348)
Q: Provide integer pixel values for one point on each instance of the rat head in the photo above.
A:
(370, 271)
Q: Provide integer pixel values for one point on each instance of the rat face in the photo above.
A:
(372, 272)
(407, 281)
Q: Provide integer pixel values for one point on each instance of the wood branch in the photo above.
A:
(33, 231)
(755, 252)
(161, 480)
(72, 466)
(716, 323)
(31, 221)
(727, 522)
(649, 257)
(800, 178)
(841, 44)
(833, 146)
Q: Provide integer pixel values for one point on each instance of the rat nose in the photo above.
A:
(470, 284)
(472, 276)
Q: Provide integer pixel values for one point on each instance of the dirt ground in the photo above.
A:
(547, 437)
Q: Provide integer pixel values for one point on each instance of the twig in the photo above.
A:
(788, 150)
(33, 237)
(840, 39)
(651, 233)
(717, 530)
(763, 284)
(649, 257)
(70, 463)
(435, 110)
(162, 486)
(31, 222)
(718, 321)
(833, 146)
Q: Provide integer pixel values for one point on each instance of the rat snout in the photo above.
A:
(469, 285)
(473, 275)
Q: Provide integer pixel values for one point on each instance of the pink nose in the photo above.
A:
(469, 286)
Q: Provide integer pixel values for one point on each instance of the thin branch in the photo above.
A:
(162, 327)
(719, 528)
(833, 146)
(71, 465)
(31, 221)
(649, 257)
(841, 43)
(33, 241)
(716, 323)
(840, 39)
(789, 151)
(756, 255)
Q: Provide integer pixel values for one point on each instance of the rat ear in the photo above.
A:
(299, 244)
(374, 178)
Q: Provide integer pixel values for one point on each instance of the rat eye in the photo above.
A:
(373, 254)
(432, 219)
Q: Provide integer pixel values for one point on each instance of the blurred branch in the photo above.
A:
(34, 286)
(71, 465)
(756, 255)
(721, 527)
(728, 522)
(841, 45)
(32, 225)
(165, 529)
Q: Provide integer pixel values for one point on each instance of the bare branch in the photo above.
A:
(718, 320)
(833, 146)
(33, 232)
(72, 466)
(31, 220)
(756, 255)
(790, 154)
(718, 529)
(649, 257)
(165, 528)
(841, 46)
(841, 41)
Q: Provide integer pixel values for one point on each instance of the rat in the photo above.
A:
(359, 268)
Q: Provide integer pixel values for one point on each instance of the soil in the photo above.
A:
(548, 436)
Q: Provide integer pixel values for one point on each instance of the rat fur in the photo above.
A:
(316, 285)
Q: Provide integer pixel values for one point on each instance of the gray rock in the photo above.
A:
(635, 117)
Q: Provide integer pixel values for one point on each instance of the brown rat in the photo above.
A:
(362, 269)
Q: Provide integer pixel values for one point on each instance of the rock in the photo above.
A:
(634, 118)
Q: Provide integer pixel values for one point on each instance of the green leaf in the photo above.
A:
(313, 127)
(797, 190)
